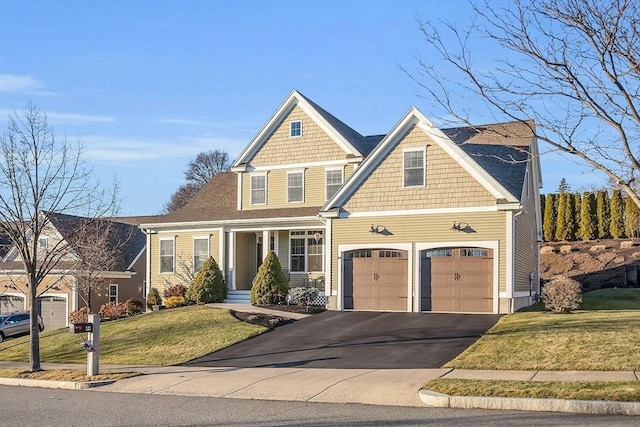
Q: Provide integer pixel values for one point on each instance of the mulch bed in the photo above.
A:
(271, 321)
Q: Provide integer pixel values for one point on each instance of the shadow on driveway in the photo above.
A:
(352, 340)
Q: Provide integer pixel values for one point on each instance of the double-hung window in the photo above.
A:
(295, 187)
(166, 255)
(113, 293)
(307, 249)
(413, 167)
(334, 179)
(295, 128)
(200, 252)
(258, 189)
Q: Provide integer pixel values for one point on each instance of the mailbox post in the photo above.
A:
(93, 356)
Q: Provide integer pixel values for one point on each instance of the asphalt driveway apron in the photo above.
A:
(350, 340)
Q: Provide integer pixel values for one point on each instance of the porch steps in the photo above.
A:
(238, 297)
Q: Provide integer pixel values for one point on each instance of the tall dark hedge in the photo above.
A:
(603, 211)
(549, 218)
(588, 217)
(617, 215)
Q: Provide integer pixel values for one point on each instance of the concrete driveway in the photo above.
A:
(358, 340)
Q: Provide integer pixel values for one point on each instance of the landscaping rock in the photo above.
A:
(547, 250)
(597, 248)
(566, 249)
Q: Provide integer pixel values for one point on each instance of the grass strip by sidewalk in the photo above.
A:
(582, 341)
(166, 337)
(64, 375)
(620, 391)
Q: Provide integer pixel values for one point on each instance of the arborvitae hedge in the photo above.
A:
(549, 218)
(617, 215)
(603, 210)
(631, 218)
(588, 217)
(563, 228)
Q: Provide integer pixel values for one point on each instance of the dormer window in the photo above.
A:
(295, 129)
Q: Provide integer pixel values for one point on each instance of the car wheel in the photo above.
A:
(1, 337)
(40, 328)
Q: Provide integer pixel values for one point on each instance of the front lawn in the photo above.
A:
(166, 337)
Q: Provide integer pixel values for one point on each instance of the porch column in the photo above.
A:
(231, 262)
(266, 243)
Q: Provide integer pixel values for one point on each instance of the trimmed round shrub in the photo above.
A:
(270, 285)
(153, 298)
(561, 295)
(208, 285)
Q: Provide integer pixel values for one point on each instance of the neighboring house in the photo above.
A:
(419, 219)
(72, 284)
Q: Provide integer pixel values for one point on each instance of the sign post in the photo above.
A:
(93, 354)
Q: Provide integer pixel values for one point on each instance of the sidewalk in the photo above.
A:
(396, 387)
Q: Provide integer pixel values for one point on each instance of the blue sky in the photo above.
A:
(146, 85)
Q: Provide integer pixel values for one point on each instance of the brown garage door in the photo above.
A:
(457, 280)
(375, 279)
(53, 311)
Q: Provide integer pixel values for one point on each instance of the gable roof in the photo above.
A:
(134, 239)
(479, 150)
(354, 144)
(217, 201)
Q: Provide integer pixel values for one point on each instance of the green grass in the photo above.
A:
(64, 375)
(166, 337)
(611, 299)
(623, 391)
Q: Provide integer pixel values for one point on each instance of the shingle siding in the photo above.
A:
(448, 185)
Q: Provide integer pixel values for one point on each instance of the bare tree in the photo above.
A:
(199, 171)
(39, 175)
(570, 65)
(99, 246)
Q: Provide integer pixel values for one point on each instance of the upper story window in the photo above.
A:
(167, 247)
(334, 179)
(43, 243)
(295, 187)
(113, 293)
(413, 169)
(200, 252)
(295, 128)
(258, 189)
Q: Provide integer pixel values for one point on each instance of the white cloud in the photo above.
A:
(78, 119)
(22, 84)
(107, 149)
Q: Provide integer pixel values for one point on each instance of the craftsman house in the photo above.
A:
(419, 219)
(79, 278)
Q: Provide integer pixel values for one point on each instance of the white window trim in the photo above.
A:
(305, 237)
(117, 291)
(291, 129)
(173, 266)
(341, 169)
(424, 166)
(208, 239)
(266, 188)
(300, 171)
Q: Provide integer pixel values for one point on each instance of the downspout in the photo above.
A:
(512, 303)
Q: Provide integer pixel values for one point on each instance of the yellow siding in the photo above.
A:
(314, 188)
(313, 146)
(526, 244)
(448, 185)
(246, 259)
(487, 226)
(183, 257)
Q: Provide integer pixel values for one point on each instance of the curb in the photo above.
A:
(594, 407)
(67, 385)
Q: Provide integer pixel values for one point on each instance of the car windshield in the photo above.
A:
(2, 317)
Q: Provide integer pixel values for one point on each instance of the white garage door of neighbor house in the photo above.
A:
(53, 311)
(375, 279)
(9, 303)
(457, 280)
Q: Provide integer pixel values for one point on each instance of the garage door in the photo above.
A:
(375, 279)
(9, 303)
(53, 311)
(457, 280)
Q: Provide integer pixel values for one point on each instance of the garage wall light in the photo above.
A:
(380, 229)
(460, 226)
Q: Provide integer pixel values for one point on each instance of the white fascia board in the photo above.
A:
(206, 225)
(372, 161)
(289, 103)
(337, 164)
(459, 155)
(435, 211)
(509, 206)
